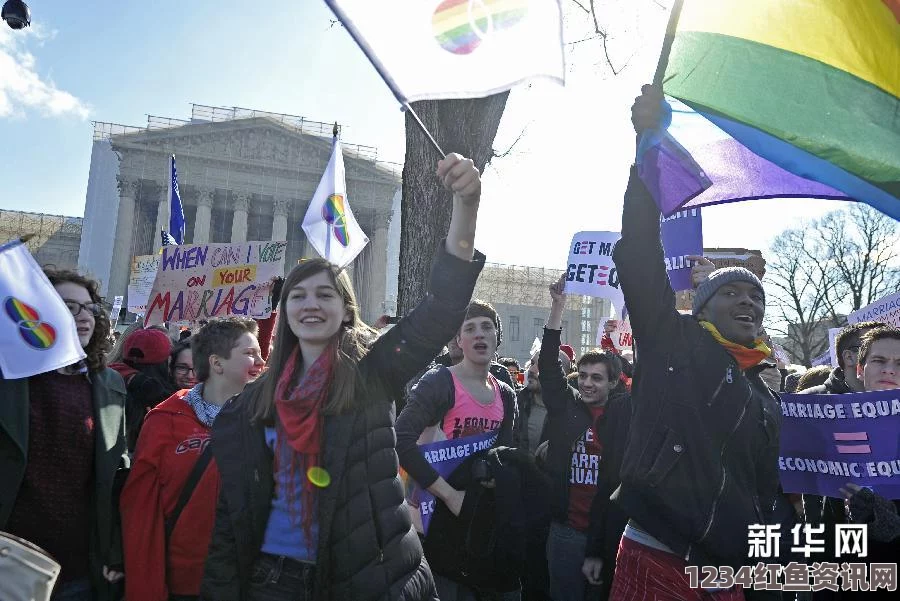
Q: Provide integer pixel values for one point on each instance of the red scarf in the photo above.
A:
(300, 425)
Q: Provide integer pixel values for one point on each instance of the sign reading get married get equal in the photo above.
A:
(202, 281)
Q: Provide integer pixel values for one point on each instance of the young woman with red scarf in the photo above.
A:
(311, 505)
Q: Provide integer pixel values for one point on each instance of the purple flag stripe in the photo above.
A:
(854, 449)
(851, 436)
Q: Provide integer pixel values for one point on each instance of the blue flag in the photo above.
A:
(176, 213)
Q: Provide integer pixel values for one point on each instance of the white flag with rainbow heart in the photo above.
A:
(433, 49)
(37, 331)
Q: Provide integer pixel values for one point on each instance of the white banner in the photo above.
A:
(201, 281)
(37, 331)
(143, 272)
(590, 269)
(885, 310)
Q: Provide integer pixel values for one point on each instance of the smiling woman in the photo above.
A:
(310, 448)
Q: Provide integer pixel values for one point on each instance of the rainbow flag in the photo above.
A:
(780, 98)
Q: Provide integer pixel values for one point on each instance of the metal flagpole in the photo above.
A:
(348, 24)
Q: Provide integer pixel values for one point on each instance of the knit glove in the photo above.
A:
(879, 513)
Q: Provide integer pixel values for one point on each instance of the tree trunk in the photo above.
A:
(465, 126)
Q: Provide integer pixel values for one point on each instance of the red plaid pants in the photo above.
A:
(647, 574)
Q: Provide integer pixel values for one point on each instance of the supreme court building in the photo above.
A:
(243, 175)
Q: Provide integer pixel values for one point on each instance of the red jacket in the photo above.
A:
(169, 445)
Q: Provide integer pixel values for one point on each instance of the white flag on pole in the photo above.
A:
(37, 331)
(428, 49)
(329, 222)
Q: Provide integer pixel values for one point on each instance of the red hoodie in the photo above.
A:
(169, 445)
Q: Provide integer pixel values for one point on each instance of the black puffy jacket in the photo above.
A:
(367, 548)
(567, 419)
(702, 457)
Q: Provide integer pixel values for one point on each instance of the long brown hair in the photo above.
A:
(354, 339)
(99, 344)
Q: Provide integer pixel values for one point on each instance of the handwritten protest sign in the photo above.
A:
(200, 281)
(885, 310)
(143, 272)
(829, 440)
(590, 269)
(444, 456)
(682, 236)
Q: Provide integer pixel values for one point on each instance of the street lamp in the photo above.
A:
(16, 14)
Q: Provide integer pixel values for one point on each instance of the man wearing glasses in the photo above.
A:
(843, 378)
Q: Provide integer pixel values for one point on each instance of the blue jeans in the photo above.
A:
(565, 556)
(279, 578)
(74, 590)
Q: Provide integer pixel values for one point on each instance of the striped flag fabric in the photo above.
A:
(176, 211)
(780, 98)
(456, 48)
(167, 239)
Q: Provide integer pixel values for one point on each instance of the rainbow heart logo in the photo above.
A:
(36, 333)
(334, 215)
(459, 26)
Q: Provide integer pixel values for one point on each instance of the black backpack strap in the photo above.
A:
(188, 490)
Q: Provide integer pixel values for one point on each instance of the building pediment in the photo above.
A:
(256, 141)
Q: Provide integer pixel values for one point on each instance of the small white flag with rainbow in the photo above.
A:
(37, 330)
(329, 222)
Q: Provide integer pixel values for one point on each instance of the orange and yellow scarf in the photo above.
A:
(746, 357)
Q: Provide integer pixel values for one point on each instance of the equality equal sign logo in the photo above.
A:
(852, 443)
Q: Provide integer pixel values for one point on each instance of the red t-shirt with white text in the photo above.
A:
(584, 469)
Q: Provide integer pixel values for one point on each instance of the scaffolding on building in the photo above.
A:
(61, 232)
(528, 286)
(43, 226)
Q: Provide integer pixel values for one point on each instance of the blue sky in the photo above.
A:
(118, 61)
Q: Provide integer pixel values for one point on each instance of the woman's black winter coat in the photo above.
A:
(367, 548)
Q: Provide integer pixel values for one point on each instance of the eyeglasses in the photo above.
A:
(182, 370)
(75, 308)
(855, 348)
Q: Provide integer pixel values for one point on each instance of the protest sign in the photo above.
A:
(444, 456)
(885, 310)
(200, 281)
(143, 272)
(590, 269)
(832, 346)
(116, 308)
(682, 236)
(823, 359)
(620, 334)
(829, 440)
(37, 330)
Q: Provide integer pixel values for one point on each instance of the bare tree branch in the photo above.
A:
(827, 268)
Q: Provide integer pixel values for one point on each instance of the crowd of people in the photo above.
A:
(262, 461)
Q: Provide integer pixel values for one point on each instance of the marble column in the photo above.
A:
(162, 217)
(120, 264)
(239, 225)
(281, 209)
(204, 215)
(378, 277)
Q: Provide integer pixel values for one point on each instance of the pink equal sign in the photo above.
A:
(860, 438)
